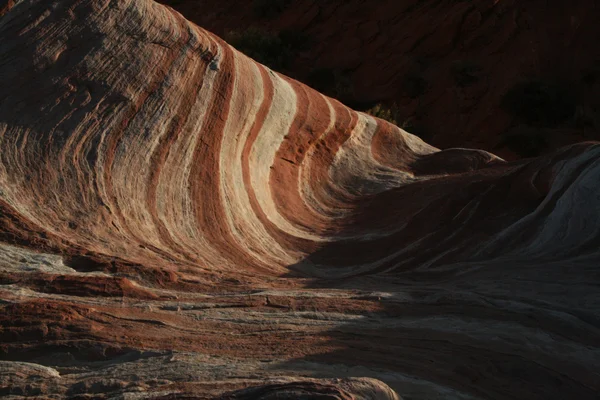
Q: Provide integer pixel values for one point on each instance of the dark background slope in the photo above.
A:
(518, 78)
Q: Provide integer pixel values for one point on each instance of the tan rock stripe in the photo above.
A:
(205, 170)
(328, 197)
(310, 124)
(163, 67)
(160, 156)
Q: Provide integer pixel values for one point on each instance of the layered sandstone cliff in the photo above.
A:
(178, 220)
(448, 65)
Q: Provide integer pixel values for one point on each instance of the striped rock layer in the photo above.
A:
(179, 220)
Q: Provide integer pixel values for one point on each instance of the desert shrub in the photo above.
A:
(540, 104)
(393, 114)
(390, 114)
(269, 8)
(465, 73)
(273, 50)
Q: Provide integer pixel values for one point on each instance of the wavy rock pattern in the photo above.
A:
(446, 64)
(178, 221)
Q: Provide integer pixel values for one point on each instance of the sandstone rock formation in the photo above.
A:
(447, 64)
(179, 221)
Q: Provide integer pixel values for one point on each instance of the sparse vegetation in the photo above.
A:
(393, 115)
(465, 73)
(273, 50)
(390, 114)
(541, 104)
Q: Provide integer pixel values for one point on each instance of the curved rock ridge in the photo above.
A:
(445, 66)
(151, 137)
(162, 195)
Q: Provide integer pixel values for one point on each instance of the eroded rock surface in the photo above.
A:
(178, 221)
(446, 64)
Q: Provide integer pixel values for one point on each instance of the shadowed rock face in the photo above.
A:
(178, 221)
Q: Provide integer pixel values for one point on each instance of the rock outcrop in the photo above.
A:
(179, 221)
(447, 64)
